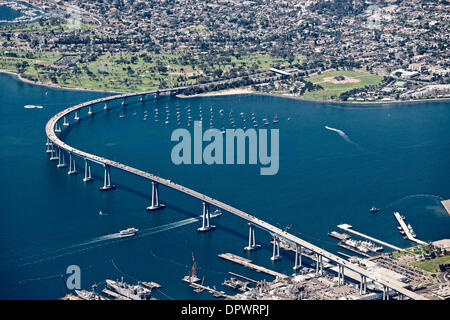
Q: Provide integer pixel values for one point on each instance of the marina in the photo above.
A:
(348, 228)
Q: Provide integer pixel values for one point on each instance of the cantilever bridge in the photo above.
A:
(58, 151)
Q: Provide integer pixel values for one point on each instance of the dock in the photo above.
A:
(406, 229)
(248, 264)
(216, 293)
(344, 254)
(115, 295)
(348, 228)
(242, 277)
(446, 204)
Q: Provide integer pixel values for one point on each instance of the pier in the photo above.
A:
(348, 228)
(446, 204)
(406, 229)
(54, 126)
(115, 295)
(248, 264)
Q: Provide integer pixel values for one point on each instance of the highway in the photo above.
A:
(53, 138)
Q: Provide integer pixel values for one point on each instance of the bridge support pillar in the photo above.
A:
(53, 154)
(251, 239)
(49, 146)
(341, 275)
(298, 257)
(87, 171)
(72, 167)
(276, 249)
(65, 123)
(363, 285)
(155, 198)
(90, 111)
(61, 160)
(319, 265)
(76, 118)
(107, 180)
(385, 293)
(206, 219)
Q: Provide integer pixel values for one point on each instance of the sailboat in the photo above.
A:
(275, 119)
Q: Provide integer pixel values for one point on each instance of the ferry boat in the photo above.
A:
(128, 232)
(134, 292)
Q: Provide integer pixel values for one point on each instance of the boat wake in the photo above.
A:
(344, 136)
(420, 195)
(94, 243)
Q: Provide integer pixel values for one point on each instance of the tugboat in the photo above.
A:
(128, 232)
(374, 210)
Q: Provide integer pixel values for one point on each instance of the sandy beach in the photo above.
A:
(246, 90)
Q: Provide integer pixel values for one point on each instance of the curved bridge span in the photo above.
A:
(57, 148)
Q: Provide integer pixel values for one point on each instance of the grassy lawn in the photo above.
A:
(139, 72)
(334, 90)
(431, 265)
(397, 254)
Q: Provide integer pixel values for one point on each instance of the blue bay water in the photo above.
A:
(8, 14)
(395, 157)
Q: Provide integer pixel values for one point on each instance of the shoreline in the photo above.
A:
(234, 91)
(284, 95)
(55, 86)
